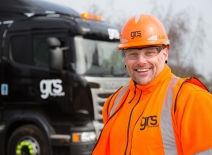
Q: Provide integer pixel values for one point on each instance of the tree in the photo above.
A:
(185, 36)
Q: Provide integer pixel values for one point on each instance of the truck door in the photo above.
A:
(3, 87)
(1, 31)
(32, 84)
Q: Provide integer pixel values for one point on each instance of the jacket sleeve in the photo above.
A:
(194, 119)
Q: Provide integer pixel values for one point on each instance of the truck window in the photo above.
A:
(33, 49)
(40, 48)
(99, 58)
(21, 47)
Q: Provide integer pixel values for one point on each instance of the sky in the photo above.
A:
(116, 10)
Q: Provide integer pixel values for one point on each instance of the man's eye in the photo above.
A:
(133, 54)
(149, 53)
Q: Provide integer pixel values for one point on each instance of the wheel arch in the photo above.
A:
(27, 119)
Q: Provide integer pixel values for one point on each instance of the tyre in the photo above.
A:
(27, 140)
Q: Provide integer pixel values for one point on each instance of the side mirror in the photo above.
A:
(71, 66)
(53, 42)
(55, 54)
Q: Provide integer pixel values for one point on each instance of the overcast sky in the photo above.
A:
(123, 9)
(129, 8)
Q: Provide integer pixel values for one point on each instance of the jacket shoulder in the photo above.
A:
(188, 88)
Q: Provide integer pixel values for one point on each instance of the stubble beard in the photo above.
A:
(142, 80)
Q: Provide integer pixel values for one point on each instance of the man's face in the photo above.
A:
(143, 70)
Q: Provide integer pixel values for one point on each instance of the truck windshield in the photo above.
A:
(99, 58)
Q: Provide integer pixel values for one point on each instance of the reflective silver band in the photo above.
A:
(167, 130)
(118, 98)
(207, 152)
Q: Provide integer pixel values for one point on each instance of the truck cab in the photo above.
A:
(57, 69)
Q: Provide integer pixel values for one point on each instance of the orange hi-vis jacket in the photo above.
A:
(170, 115)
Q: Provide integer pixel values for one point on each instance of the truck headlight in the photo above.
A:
(83, 137)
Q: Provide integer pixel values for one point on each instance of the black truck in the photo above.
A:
(57, 68)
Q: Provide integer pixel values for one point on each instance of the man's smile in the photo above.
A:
(142, 70)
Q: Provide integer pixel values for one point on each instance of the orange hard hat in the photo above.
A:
(143, 30)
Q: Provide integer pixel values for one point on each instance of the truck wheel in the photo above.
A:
(27, 140)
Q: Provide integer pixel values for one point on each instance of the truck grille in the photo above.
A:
(106, 87)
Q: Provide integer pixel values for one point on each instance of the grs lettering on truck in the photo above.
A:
(57, 69)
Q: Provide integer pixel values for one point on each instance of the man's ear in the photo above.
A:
(165, 54)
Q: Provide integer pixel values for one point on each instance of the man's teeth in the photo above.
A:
(142, 70)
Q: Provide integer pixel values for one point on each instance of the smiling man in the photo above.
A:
(144, 64)
(157, 113)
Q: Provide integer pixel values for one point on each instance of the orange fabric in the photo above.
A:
(134, 128)
(193, 119)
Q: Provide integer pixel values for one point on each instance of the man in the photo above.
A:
(158, 113)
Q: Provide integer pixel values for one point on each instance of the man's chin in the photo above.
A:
(142, 81)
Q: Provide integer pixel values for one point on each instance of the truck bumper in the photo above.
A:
(82, 148)
(81, 141)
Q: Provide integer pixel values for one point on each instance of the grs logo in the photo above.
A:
(113, 34)
(135, 34)
(150, 121)
(51, 87)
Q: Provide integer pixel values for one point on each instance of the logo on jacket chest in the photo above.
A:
(149, 122)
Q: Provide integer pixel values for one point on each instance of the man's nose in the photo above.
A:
(141, 58)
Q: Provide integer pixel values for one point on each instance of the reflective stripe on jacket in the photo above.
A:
(166, 121)
(163, 126)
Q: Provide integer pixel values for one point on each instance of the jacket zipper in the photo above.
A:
(134, 92)
(128, 129)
